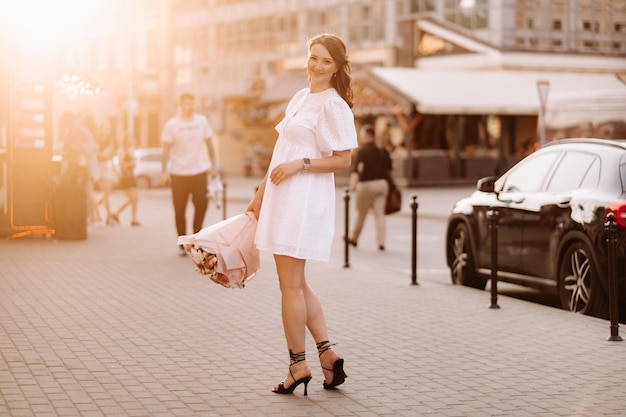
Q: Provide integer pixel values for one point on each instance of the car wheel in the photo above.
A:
(578, 285)
(462, 270)
(143, 182)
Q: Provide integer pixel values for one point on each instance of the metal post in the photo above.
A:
(542, 128)
(543, 87)
(414, 207)
(224, 200)
(611, 238)
(346, 237)
(493, 215)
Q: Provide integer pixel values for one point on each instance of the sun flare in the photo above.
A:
(41, 26)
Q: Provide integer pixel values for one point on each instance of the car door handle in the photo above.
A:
(563, 201)
(515, 200)
(508, 200)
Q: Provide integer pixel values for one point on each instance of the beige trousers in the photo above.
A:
(371, 195)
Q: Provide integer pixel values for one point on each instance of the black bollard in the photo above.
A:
(414, 207)
(493, 215)
(611, 238)
(346, 237)
(224, 200)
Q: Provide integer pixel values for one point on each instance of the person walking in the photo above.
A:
(79, 147)
(369, 178)
(186, 139)
(295, 202)
(107, 147)
(128, 184)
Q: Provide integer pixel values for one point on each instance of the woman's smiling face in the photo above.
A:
(320, 66)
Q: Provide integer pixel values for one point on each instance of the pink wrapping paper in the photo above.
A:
(232, 243)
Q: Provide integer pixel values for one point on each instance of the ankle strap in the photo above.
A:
(323, 346)
(296, 357)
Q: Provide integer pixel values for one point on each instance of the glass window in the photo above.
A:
(367, 22)
(153, 158)
(592, 177)
(529, 175)
(415, 6)
(575, 170)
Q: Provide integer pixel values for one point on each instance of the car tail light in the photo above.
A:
(619, 209)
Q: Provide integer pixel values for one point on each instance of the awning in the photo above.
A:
(285, 87)
(372, 96)
(488, 92)
(275, 98)
(579, 108)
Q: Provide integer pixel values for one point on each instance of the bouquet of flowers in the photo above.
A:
(206, 264)
(225, 251)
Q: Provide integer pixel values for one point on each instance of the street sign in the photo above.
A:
(543, 86)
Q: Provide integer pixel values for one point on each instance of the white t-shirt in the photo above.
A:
(188, 155)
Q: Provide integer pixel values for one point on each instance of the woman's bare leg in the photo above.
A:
(94, 213)
(131, 200)
(106, 188)
(133, 197)
(294, 311)
(125, 204)
(316, 323)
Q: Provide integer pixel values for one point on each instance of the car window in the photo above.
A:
(575, 170)
(530, 174)
(152, 158)
(148, 157)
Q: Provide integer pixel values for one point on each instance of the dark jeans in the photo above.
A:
(182, 186)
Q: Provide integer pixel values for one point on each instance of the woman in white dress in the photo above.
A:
(295, 203)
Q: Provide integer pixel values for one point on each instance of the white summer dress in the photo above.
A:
(298, 216)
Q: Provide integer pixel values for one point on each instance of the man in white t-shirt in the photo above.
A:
(186, 139)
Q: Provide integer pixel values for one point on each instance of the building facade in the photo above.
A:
(244, 50)
(239, 55)
(453, 85)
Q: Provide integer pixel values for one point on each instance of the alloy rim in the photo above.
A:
(578, 283)
(459, 264)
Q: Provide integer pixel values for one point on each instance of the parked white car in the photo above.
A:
(148, 167)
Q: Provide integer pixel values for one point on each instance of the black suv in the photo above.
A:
(552, 206)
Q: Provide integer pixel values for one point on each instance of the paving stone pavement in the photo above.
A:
(119, 325)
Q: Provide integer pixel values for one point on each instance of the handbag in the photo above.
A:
(393, 204)
(394, 201)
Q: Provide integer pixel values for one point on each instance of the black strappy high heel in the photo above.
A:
(295, 358)
(339, 376)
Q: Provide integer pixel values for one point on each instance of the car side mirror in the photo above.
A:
(486, 184)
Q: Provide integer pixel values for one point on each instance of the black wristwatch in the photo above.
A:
(306, 162)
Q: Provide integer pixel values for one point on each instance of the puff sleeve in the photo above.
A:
(335, 127)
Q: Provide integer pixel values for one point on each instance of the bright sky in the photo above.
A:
(41, 26)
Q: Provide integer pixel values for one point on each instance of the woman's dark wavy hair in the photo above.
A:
(337, 50)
